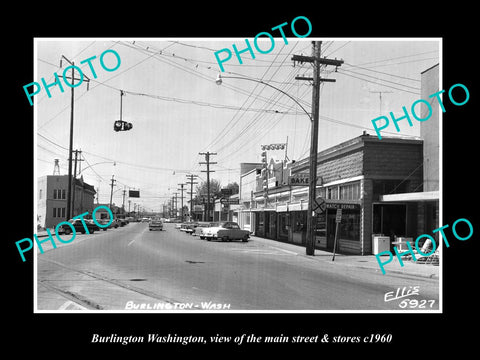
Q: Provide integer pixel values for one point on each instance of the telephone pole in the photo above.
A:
(208, 171)
(111, 192)
(70, 148)
(123, 201)
(191, 183)
(317, 61)
(176, 203)
(181, 200)
(73, 180)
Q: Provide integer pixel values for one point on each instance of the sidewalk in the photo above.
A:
(410, 268)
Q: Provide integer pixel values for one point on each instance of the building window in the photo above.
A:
(350, 191)
(40, 194)
(332, 193)
(59, 194)
(59, 212)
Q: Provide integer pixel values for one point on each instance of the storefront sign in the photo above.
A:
(235, 201)
(300, 179)
(342, 206)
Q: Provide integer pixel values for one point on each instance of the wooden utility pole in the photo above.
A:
(181, 200)
(70, 147)
(111, 192)
(176, 203)
(316, 60)
(208, 171)
(191, 183)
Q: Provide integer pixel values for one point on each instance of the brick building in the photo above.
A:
(52, 199)
(352, 176)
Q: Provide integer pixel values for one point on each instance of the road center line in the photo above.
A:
(136, 237)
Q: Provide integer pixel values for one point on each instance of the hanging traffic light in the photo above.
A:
(117, 125)
(120, 125)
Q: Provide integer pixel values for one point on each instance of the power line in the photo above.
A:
(388, 81)
(382, 72)
(377, 83)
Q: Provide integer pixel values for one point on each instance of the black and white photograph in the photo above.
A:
(226, 180)
(189, 185)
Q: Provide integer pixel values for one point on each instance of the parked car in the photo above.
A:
(226, 231)
(155, 224)
(104, 222)
(190, 227)
(78, 225)
(200, 228)
(116, 223)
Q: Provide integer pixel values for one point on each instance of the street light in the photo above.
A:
(103, 162)
(219, 81)
(313, 163)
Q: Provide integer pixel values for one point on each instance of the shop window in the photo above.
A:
(350, 225)
(300, 221)
(247, 218)
(283, 224)
(350, 191)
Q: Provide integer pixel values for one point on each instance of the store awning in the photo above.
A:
(414, 196)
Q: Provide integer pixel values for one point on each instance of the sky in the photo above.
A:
(177, 109)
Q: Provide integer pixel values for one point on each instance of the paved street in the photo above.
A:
(132, 267)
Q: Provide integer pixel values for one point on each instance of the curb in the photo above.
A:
(400, 271)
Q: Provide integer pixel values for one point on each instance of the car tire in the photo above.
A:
(202, 238)
(245, 239)
(209, 239)
(105, 229)
(67, 231)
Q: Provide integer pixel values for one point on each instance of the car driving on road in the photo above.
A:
(226, 231)
(155, 224)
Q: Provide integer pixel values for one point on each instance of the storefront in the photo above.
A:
(348, 230)
(352, 177)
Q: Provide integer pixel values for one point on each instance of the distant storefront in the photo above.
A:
(352, 176)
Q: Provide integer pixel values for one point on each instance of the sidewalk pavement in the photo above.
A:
(409, 268)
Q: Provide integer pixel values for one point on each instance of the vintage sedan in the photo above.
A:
(226, 231)
(78, 226)
(155, 224)
(202, 225)
(190, 227)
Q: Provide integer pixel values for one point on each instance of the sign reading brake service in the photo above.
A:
(299, 179)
